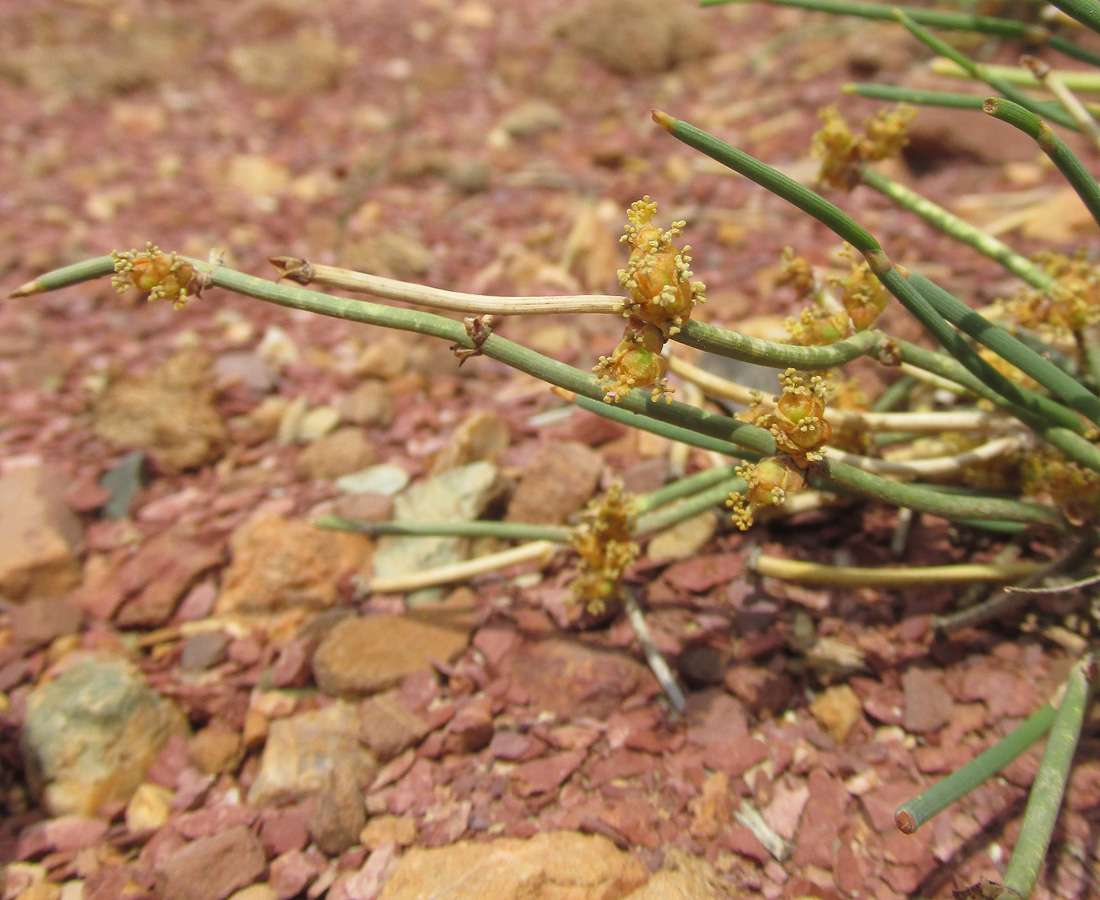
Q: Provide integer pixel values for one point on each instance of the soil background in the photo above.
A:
(488, 147)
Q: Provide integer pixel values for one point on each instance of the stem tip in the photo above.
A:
(663, 119)
(31, 287)
(905, 821)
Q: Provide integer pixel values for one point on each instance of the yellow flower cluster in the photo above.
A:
(862, 297)
(662, 296)
(800, 430)
(160, 275)
(843, 152)
(767, 483)
(604, 540)
(1070, 305)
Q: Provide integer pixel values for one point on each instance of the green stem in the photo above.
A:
(1053, 146)
(66, 276)
(734, 345)
(945, 99)
(682, 487)
(510, 531)
(1055, 114)
(1088, 343)
(831, 475)
(667, 430)
(1067, 389)
(1036, 406)
(845, 227)
(496, 347)
(1087, 12)
(664, 518)
(914, 813)
(1083, 82)
(892, 397)
(954, 227)
(677, 415)
(949, 21)
(1045, 799)
(811, 203)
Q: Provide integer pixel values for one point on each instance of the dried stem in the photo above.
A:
(857, 576)
(539, 552)
(657, 663)
(1053, 83)
(304, 272)
(923, 422)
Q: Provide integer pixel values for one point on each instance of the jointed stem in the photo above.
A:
(939, 19)
(1045, 799)
(914, 813)
(954, 227)
(1055, 114)
(1079, 178)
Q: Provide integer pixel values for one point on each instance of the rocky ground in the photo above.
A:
(200, 696)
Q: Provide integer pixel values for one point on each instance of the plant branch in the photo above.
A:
(1045, 799)
(949, 21)
(305, 273)
(1053, 146)
(914, 813)
(858, 576)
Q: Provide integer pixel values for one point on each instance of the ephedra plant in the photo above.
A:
(1026, 374)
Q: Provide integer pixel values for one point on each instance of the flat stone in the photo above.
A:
(282, 563)
(37, 545)
(216, 749)
(637, 37)
(159, 575)
(122, 481)
(560, 865)
(684, 539)
(148, 808)
(559, 481)
(339, 453)
(547, 773)
(338, 814)
(701, 573)
(482, 435)
(714, 717)
(302, 752)
(386, 479)
(361, 656)
(458, 495)
(837, 709)
(204, 650)
(211, 868)
(91, 734)
(38, 622)
(928, 706)
(371, 404)
(387, 829)
(571, 680)
(388, 726)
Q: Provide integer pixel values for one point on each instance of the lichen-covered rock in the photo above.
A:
(91, 734)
